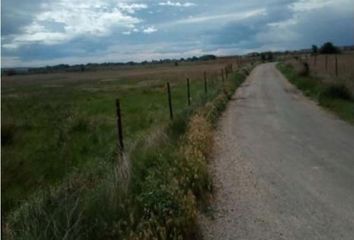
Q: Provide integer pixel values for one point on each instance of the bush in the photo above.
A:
(314, 49)
(305, 71)
(267, 56)
(329, 48)
(337, 91)
(7, 133)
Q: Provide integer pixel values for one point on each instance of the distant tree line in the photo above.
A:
(94, 66)
(264, 56)
(326, 48)
(267, 56)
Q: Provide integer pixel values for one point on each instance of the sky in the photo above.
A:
(48, 32)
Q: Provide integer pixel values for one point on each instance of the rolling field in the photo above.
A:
(56, 124)
(324, 66)
(62, 174)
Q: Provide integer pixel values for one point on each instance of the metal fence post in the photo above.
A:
(336, 65)
(188, 93)
(169, 100)
(119, 127)
(205, 83)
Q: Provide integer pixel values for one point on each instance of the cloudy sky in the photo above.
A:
(47, 32)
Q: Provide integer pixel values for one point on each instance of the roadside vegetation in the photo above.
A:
(333, 96)
(151, 191)
(53, 124)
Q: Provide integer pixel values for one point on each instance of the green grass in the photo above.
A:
(63, 177)
(335, 97)
(47, 132)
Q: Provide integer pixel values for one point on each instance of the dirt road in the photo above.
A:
(283, 167)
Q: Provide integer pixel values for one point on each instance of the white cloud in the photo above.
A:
(64, 20)
(10, 45)
(307, 5)
(150, 30)
(131, 8)
(177, 4)
(221, 17)
(261, 24)
(284, 24)
(300, 9)
(283, 31)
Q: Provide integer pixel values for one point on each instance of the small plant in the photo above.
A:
(8, 131)
(80, 124)
(305, 71)
(337, 91)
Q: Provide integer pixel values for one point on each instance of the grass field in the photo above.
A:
(55, 122)
(324, 67)
(59, 130)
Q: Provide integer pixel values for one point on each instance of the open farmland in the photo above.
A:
(177, 120)
(324, 66)
(54, 124)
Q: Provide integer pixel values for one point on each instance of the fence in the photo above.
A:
(333, 68)
(224, 75)
(334, 65)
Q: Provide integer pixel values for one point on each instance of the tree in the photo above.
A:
(263, 56)
(270, 56)
(9, 72)
(207, 57)
(267, 56)
(329, 48)
(314, 49)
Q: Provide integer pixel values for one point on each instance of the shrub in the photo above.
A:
(329, 48)
(314, 49)
(337, 91)
(80, 124)
(305, 70)
(7, 133)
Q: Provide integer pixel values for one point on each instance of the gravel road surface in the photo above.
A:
(283, 167)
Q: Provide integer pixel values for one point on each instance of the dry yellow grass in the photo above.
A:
(327, 71)
(166, 72)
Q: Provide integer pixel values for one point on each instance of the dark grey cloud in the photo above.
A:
(16, 14)
(297, 29)
(322, 26)
(35, 34)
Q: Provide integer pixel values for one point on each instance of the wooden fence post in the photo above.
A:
(222, 75)
(336, 65)
(119, 127)
(205, 83)
(188, 93)
(169, 100)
